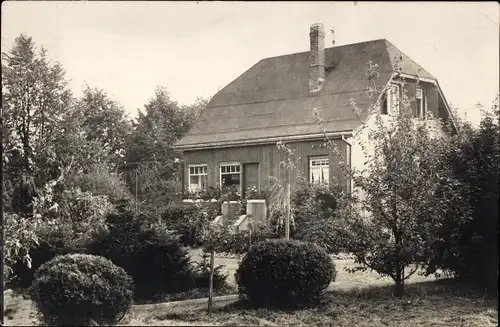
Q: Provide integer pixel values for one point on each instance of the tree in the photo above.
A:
(472, 255)
(35, 97)
(150, 157)
(103, 121)
(406, 192)
(101, 180)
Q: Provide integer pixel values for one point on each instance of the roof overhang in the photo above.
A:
(440, 92)
(415, 77)
(262, 141)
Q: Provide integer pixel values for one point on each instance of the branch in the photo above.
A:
(411, 272)
(363, 261)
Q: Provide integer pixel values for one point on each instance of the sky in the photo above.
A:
(128, 48)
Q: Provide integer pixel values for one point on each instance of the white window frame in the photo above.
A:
(324, 163)
(422, 109)
(230, 164)
(198, 170)
(390, 109)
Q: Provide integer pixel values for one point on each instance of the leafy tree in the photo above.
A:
(150, 158)
(474, 158)
(35, 97)
(103, 120)
(100, 180)
(405, 191)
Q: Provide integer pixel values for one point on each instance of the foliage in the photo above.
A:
(100, 180)
(34, 99)
(80, 290)
(403, 192)
(254, 193)
(189, 220)
(474, 157)
(20, 237)
(48, 134)
(279, 200)
(133, 246)
(59, 224)
(82, 210)
(202, 274)
(150, 153)
(52, 240)
(284, 273)
(223, 239)
(315, 211)
(220, 193)
(104, 121)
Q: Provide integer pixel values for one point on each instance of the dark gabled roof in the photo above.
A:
(272, 100)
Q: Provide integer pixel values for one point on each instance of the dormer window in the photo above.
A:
(392, 97)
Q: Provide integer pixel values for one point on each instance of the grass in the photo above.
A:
(435, 303)
(360, 299)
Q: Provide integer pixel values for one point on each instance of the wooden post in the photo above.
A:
(287, 213)
(211, 282)
(250, 226)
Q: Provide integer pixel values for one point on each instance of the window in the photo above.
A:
(197, 177)
(319, 170)
(392, 96)
(230, 175)
(421, 103)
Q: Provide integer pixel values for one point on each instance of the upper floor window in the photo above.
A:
(319, 170)
(197, 177)
(421, 102)
(392, 99)
(230, 175)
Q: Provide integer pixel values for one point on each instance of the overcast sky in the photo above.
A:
(129, 48)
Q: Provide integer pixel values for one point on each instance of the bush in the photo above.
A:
(315, 215)
(284, 273)
(52, 241)
(79, 290)
(317, 200)
(472, 252)
(189, 220)
(202, 275)
(154, 258)
(224, 240)
(19, 237)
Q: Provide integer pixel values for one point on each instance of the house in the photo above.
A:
(234, 141)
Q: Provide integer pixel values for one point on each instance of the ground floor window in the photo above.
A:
(197, 177)
(319, 170)
(230, 175)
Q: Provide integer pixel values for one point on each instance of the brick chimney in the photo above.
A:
(317, 58)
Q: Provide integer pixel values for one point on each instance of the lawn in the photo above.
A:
(435, 303)
(360, 299)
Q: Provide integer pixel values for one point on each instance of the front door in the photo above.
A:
(250, 176)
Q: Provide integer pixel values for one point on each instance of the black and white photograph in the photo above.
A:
(250, 163)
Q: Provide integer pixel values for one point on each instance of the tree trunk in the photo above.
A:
(399, 288)
(288, 204)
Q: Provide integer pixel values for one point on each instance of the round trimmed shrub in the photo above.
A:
(284, 273)
(81, 290)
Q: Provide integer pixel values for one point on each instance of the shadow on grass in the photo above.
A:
(445, 300)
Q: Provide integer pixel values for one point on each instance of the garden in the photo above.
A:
(103, 237)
